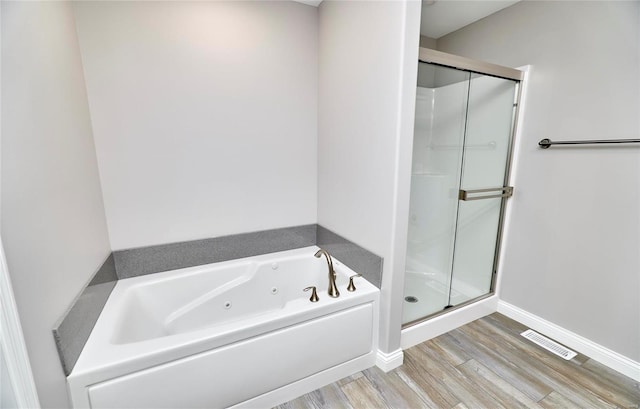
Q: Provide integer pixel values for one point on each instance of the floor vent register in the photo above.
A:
(549, 344)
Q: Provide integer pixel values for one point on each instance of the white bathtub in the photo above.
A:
(238, 333)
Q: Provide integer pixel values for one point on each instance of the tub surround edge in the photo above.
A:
(172, 256)
(73, 329)
(355, 257)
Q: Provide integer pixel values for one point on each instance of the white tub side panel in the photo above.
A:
(241, 371)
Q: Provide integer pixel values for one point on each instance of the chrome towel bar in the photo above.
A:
(546, 143)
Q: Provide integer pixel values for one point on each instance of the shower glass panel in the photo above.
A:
(441, 110)
(462, 140)
(486, 151)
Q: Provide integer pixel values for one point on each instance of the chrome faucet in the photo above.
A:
(333, 290)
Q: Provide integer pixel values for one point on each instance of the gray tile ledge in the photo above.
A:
(173, 256)
(355, 257)
(72, 331)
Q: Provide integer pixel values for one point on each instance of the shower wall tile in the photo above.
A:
(355, 257)
(73, 330)
(165, 257)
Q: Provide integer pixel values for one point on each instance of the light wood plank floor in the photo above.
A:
(484, 364)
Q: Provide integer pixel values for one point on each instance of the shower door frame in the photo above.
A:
(439, 58)
(430, 56)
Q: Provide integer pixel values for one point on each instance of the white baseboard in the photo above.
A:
(447, 322)
(572, 340)
(389, 361)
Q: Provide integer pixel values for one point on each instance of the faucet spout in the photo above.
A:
(333, 289)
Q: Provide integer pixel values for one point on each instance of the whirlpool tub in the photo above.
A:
(240, 333)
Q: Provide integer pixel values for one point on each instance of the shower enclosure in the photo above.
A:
(465, 114)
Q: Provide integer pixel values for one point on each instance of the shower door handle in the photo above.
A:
(506, 191)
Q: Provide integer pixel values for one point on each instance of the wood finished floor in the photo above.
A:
(484, 364)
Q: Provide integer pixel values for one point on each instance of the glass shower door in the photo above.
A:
(441, 111)
(482, 186)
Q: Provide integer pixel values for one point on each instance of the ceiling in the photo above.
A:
(314, 3)
(441, 17)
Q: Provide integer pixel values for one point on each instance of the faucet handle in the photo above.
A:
(351, 286)
(314, 293)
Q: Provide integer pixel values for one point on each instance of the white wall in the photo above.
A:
(204, 116)
(367, 80)
(572, 256)
(53, 221)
